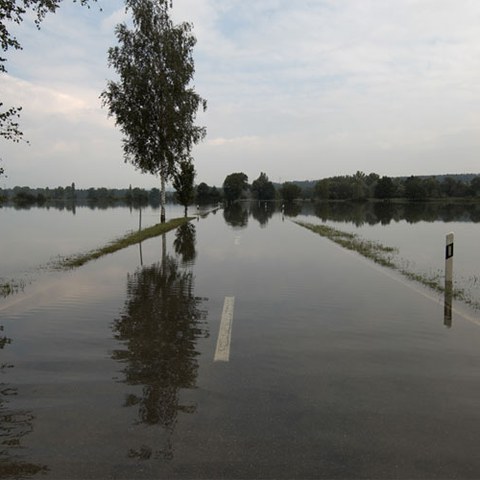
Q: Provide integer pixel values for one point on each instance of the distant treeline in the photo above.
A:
(357, 187)
(26, 196)
(362, 187)
(70, 194)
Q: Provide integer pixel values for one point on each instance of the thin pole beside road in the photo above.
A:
(448, 279)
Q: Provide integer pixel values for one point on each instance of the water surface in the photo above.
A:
(336, 370)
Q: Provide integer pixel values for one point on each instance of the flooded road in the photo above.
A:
(330, 368)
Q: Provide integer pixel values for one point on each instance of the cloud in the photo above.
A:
(295, 89)
(218, 142)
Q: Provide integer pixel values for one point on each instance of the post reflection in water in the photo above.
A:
(448, 301)
(159, 328)
(15, 424)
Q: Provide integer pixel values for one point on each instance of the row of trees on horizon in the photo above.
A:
(357, 187)
(154, 70)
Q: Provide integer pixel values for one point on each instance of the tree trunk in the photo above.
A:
(186, 211)
(162, 200)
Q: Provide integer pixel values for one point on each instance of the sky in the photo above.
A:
(298, 90)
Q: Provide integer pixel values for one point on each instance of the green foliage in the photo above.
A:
(130, 239)
(135, 196)
(290, 192)
(384, 188)
(374, 250)
(475, 187)
(183, 184)
(153, 102)
(206, 194)
(10, 288)
(234, 186)
(64, 196)
(9, 126)
(414, 188)
(262, 188)
(322, 189)
(451, 187)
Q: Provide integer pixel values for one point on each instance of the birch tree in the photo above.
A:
(153, 100)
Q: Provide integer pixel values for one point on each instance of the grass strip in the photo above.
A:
(11, 287)
(382, 255)
(78, 260)
(375, 251)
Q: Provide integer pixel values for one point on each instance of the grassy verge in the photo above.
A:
(11, 287)
(123, 242)
(383, 255)
(375, 251)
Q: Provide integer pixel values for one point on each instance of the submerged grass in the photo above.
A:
(375, 251)
(78, 260)
(383, 255)
(11, 287)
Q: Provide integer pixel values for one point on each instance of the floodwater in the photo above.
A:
(335, 367)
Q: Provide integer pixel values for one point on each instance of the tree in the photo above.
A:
(206, 194)
(384, 188)
(414, 188)
(432, 187)
(359, 186)
(322, 189)
(341, 188)
(452, 187)
(475, 186)
(290, 192)
(262, 188)
(12, 12)
(234, 185)
(153, 102)
(203, 193)
(183, 184)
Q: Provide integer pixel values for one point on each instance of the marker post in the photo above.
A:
(448, 280)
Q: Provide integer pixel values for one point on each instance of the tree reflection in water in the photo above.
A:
(262, 212)
(372, 213)
(159, 327)
(184, 243)
(236, 215)
(14, 425)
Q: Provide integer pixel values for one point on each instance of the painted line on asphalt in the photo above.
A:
(222, 352)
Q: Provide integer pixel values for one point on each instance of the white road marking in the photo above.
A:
(222, 353)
